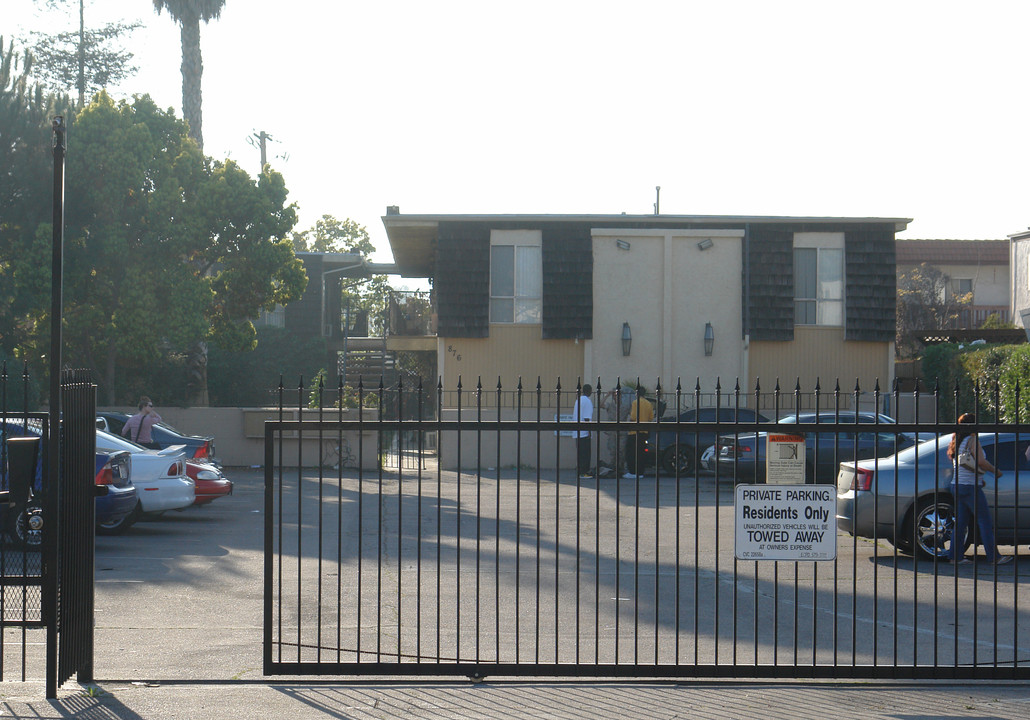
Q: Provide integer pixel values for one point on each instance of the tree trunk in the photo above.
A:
(196, 383)
(81, 80)
(192, 72)
(109, 372)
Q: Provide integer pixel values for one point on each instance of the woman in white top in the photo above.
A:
(970, 501)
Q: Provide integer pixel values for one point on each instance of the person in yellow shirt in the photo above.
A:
(640, 412)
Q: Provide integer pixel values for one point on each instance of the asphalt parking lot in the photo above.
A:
(178, 634)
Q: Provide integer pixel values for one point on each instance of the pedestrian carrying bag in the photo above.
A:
(967, 460)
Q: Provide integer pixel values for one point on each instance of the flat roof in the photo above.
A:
(412, 237)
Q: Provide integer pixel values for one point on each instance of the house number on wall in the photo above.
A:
(454, 352)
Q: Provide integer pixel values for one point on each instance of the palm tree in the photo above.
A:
(189, 13)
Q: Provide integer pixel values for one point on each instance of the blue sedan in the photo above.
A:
(116, 495)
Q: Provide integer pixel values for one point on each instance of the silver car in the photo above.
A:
(906, 498)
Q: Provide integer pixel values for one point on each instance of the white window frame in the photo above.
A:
(829, 305)
(524, 304)
(956, 283)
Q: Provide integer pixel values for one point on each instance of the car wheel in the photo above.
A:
(678, 459)
(933, 525)
(117, 527)
(28, 526)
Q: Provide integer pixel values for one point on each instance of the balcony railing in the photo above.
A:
(976, 315)
(411, 313)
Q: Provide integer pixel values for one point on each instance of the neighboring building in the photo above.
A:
(980, 267)
(319, 312)
(699, 298)
(1019, 277)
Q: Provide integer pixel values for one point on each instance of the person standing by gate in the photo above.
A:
(967, 488)
(583, 412)
(138, 427)
(639, 412)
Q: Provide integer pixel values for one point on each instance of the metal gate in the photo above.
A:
(500, 559)
(46, 538)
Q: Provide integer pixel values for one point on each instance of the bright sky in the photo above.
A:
(881, 108)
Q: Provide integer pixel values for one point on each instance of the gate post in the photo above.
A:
(50, 559)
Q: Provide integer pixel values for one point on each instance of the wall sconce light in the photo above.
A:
(627, 339)
(705, 244)
(709, 338)
(622, 244)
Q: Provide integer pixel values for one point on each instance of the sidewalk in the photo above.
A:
(506, 700)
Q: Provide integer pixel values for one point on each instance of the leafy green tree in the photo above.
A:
(329, 235)
(87, 59)
(163, 247)
(189, 13)
(26, 197)
(925, 305)
(334, 236)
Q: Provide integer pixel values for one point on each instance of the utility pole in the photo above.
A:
(259, 140)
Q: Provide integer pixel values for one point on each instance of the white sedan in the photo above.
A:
(159, 475)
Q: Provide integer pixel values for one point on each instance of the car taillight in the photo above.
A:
(175, 469)
(731, 449)
(202, 452)
(863, 479)
(105, 476)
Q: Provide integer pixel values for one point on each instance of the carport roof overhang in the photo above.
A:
(413, 237)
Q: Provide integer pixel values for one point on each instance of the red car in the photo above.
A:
(210, 483)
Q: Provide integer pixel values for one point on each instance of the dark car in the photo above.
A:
(742, 455)
(116, 495)
(678, 448)
(198, 447)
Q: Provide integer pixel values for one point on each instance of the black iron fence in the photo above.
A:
(46, 532)
(820, 545)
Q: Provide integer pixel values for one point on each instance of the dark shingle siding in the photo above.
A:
(462, 281)
(304, 315)
(870, 310)
(568, 286)
(771, 259)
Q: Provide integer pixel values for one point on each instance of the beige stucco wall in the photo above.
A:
(239, 434)
(667, 288)
(511, 351)
(821, 354)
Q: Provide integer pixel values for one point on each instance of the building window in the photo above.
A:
(819, 286)
(961, 286)
(516, 277)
